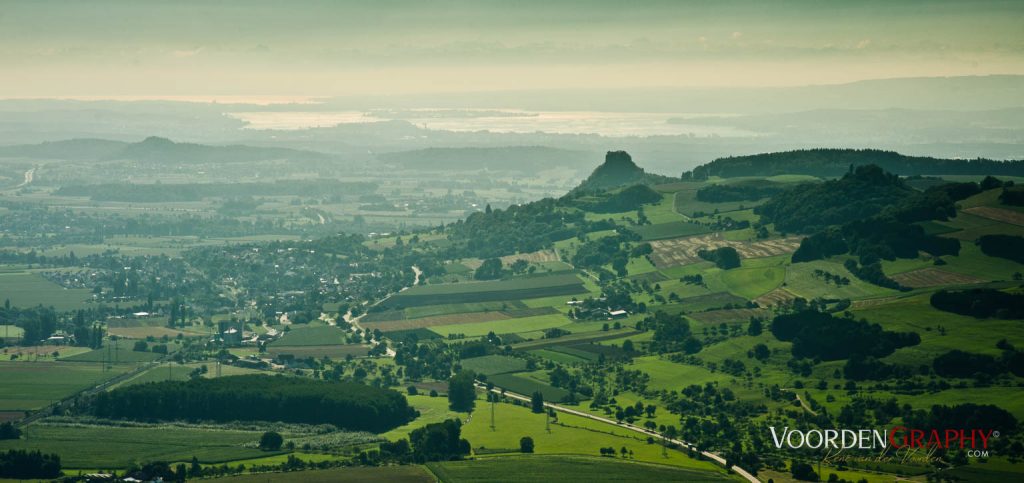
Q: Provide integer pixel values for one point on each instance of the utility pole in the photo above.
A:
(492, 397)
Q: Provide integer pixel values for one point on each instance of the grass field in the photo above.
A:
(494, 364)
(122, 446)
(529, 469)
(751, 283)
(514, 289)
(507, 326)
(317, 335)
(673, 229)
(320, 351)
(523, 384)
(801, 281)
(32, 385)
(570, 435)
(369, 474)
(120, 353)
(27, 289)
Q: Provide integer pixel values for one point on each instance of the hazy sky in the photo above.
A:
(305, 48)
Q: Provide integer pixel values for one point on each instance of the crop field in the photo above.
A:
(576, 338)
(494, 364)
(529, 469)
(683, 251)
(715, 317)
(368, 474)
(558, 356)
(933, 277)
(669, 230)
(540, 256)
(998, 214)
(320, 351)
(32, 385)
(505, 326)
(455, 319)
(775, 297)
(523, 384)
(310, 336)
(27, 289)
(710, 301)
(121, 353)
(971, 226)
(514, 289)
(444, 309)
(123, 446)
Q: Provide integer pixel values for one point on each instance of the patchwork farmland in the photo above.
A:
(683, 251)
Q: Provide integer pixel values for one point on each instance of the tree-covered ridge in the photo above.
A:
(828, 163)
(347, 405)
(743, 191)
(860, 194)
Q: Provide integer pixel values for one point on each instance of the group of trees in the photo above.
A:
(723, 257)
(347, 405)
(671, 333)
(980, 302)
(22, 464)
(822, 336)
(1009, 247)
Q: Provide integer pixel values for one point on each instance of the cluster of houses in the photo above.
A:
(588, 311)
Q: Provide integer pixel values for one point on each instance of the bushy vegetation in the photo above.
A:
(259, 398)
(822, 336)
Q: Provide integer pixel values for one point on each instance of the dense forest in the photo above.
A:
(347, 405)
(828, 163)
(1009, 247)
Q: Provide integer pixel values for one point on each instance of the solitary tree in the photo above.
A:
(461, 391)
(526, 444)
(271, 441)
(537, 402)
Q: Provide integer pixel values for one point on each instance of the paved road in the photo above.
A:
(712, 456)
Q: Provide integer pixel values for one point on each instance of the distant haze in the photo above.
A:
(260, 49)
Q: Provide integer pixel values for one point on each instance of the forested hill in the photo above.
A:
(619, 170)
(832, 163)
(154, 149)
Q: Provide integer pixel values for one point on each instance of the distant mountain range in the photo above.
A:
(156, 150)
